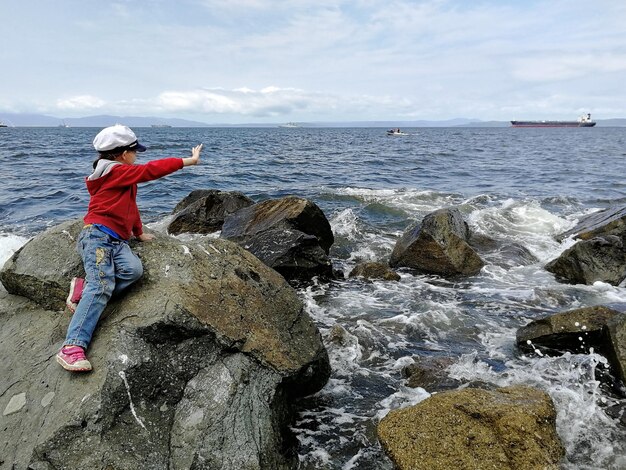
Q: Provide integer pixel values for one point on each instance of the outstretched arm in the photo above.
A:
(195, 156)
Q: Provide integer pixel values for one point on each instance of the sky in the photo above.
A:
(262, 61)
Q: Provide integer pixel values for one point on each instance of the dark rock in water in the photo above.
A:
(203, 211)
(198, 194)
(338, 335)
(510, 428)
(258, 229)
(562, 331)
(196, 366)
(617, 346)
(374, 270)
(295, 255)
(430, 374)
(597, 259)
(438, 246)
(607, 222)
(601, 253)
(577, 331)
(617, 412)
(290, 213)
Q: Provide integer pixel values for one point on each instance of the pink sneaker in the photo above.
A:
(73, 358)
(76, 292)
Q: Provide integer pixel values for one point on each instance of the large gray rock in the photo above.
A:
(602, 258)
(439, 245)
(509, 428)
(291, 235)
(578, 331)
(196, 366)
(204, 211)
(42, 269)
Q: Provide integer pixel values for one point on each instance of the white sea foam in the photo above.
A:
(416, 203)
(405, 396)
(162, 224)
(9, 244)
(345, 223)
(525, 223)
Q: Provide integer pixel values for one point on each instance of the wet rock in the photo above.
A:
(601, 253)
(510, 428)
(284, 233)
(204, 211)
(439, 245)
(196, 366)
(574, 331)
(610, 221)
(617, 411)
(577, 331)
(338, 335)
(374, 270)
(597, 259)
(294, 254)
(430, 373)
(617, 346)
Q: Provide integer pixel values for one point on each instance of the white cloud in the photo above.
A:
(245, 103)
(82, 102)
(564, 67)
(267, 102)
(316, 59)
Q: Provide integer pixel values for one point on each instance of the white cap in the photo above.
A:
(117, 136)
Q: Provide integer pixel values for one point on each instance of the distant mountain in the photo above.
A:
(29, 120)
(40, 120)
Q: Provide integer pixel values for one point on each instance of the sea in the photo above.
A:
(516, 185)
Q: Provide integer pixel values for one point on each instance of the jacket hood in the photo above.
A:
(96, 179)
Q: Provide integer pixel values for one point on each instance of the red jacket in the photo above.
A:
(113, 196)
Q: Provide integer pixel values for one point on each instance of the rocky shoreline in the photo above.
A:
(198, 366)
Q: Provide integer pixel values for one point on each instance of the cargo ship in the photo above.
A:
(583, 121)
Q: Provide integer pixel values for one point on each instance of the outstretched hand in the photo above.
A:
(145, 237)
(195, 156)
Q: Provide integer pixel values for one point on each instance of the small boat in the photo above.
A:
(583, 121)
(396, 132)
(63, 124)
(2, 124)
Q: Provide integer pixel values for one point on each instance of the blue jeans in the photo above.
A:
(110, 267)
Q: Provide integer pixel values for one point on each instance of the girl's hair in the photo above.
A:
(112, 155)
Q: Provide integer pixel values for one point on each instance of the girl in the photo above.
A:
(112, 218)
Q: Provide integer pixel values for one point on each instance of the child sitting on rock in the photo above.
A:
(112, 218)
